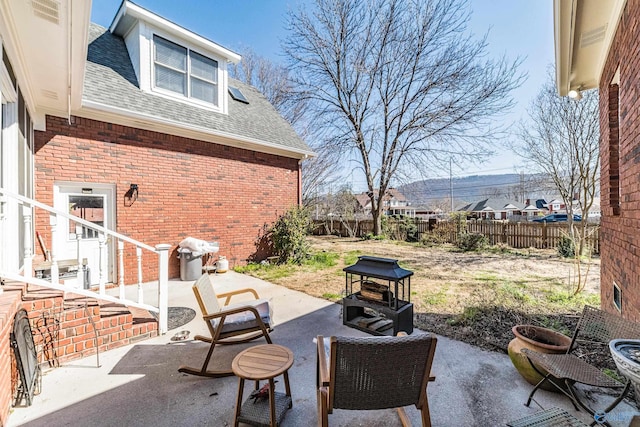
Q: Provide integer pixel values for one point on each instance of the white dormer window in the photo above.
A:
(185, 72)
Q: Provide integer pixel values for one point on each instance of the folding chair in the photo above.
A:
(246, 321)
(375, 373)
(596, 328)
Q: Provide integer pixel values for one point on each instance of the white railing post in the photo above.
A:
(121, 268)
(28, 245)
(102, 246)
(55, 274)
(163, 286)
(139, 259)
(80, 274)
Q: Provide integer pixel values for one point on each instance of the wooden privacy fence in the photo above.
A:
(519, 235)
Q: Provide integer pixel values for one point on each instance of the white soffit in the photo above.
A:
(583, 33)
(47, 43)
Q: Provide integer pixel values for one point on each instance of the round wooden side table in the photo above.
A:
(263, 362)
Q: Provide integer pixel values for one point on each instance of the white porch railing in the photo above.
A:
(160, 251)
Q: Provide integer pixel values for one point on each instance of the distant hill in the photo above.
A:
(470, 188)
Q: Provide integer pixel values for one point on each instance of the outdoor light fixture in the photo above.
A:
(131, 195)
(575, 94)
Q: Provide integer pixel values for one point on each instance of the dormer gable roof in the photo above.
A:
(112, 93)
(130, 13)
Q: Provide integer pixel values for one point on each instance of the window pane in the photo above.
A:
(170, 54)
(171, 80)
(204, 91)
(90, 208)
(204, 67)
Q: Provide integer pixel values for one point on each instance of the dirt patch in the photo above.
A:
(474, 297)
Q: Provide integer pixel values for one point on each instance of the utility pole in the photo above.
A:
(450, 185)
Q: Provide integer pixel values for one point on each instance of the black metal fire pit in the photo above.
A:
(381, 306)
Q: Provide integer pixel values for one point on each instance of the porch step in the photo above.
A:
(69, 327)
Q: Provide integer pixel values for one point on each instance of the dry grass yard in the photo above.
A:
(472, 296)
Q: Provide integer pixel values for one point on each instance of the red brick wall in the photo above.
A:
(9, 306)
(186, 187)
(620, 233)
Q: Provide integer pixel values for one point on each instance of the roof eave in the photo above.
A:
(98, 111)
(579, 65)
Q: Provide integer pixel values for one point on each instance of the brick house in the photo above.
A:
(596, 47)
(138, 130)
(151, 107)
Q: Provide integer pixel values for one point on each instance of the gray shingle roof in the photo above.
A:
(110, 80)
(495, 204)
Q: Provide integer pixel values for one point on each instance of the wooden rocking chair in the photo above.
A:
(246, 321)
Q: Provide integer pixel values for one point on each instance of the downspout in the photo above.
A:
(69, 15)
(300, 181)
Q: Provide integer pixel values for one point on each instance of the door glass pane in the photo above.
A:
(89, 208)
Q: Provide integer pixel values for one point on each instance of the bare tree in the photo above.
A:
(399, 83)
(561, 140)
(273, 81)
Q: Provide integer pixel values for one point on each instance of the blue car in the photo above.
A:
(557, 217)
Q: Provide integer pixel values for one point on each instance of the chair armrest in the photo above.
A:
(323, 370)
(228, 295)
(225, 313)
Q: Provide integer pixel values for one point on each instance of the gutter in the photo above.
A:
(156, 124)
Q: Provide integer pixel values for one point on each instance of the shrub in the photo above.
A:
(437, 236)
(471, 241)
(566, 247)
(289, 235)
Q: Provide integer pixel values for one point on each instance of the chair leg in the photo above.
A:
(608, 409)
(323, 410)
(547, 378)
(542, 381)
(425, 414)
(404, 419)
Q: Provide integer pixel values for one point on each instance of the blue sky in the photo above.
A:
(517, 28)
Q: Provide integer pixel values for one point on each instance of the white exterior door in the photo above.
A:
(93, 203)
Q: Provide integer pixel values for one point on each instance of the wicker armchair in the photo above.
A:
(230, 323)
(375, 373)
(595, 329)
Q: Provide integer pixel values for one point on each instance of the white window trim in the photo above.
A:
(175, 95)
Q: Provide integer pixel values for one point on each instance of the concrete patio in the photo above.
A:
(139, 385)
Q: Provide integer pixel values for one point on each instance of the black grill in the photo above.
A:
(24, 350)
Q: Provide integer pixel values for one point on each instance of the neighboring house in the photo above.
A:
(493, 209)
(556, 206)
(535, 208)
(89, 114)
(393, 203)
(597, 46)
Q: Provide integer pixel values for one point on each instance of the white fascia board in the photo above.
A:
(101, 112)
(565, 39)
(79, 33)
(564, 18)
(134, 11)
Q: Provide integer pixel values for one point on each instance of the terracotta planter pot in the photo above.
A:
(536, 338)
